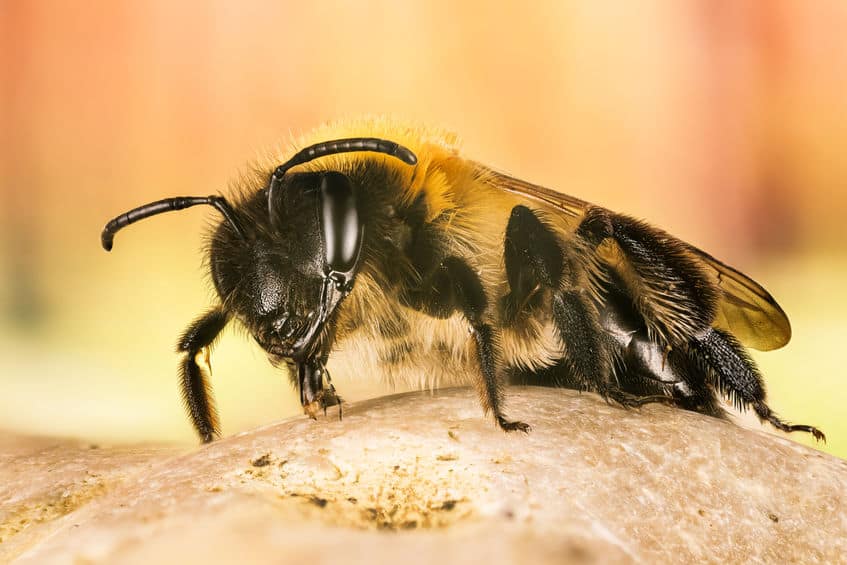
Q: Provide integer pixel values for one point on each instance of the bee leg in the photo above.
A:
(590, 352)
(674, 374)
(667, 298)
(693, 389)
(648, 369)
(535, 262)
(454, 286)
(327, 398)
(667, 286)
(194, 385)
(310, 381)
(737, 376)
(630, 400)
(330, 396)
(587, 347)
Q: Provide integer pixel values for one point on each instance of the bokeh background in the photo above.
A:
(724, 122)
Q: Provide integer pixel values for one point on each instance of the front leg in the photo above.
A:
(195, 387)
(314, 396)
(454, 287)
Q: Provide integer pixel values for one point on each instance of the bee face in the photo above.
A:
(274, 275)
(273, 294)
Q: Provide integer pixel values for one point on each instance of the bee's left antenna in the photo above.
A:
(166, 205)
(349, 145)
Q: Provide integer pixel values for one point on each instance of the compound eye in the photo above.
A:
(340, 223)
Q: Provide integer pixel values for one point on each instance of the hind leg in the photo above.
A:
(541, 271)
(738, 378)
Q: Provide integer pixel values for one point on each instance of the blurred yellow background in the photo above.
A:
(723, 122)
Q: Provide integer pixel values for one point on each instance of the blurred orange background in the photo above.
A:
(723, 122)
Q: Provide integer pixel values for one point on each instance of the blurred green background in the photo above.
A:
(723, 122)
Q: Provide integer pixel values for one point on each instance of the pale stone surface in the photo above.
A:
(418, 478)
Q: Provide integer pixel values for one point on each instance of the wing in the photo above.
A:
(746, 309)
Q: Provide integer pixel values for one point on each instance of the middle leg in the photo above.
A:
(453, 286)
(539, 274)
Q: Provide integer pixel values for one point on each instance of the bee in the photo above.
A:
(383, 243)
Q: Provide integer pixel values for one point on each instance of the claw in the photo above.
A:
(628, 400)
(508, 426)
(323, 400)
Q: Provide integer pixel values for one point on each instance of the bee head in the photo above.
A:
(286, 271)
(286, 256)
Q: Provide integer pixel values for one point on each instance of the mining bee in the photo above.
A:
(384, 241)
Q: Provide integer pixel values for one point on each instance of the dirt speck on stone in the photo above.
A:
(318, 501)
(262, 461)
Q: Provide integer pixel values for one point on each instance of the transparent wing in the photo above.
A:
(746, 309)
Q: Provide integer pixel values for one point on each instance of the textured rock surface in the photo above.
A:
(418, 478)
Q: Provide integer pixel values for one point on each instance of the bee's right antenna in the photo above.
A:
(166, 205)
(325, 148)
